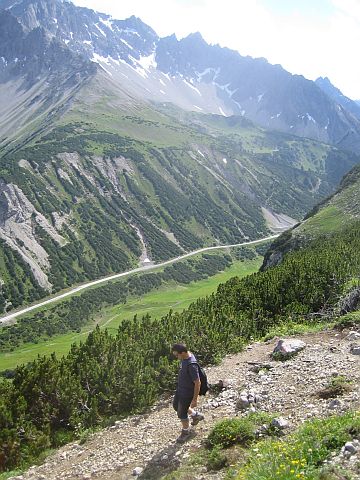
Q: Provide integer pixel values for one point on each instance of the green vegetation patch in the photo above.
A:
(241, 431)
(301, 455)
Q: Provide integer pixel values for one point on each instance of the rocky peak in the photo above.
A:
(336, 94)
(89, 33)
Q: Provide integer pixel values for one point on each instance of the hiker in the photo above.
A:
(188, 388)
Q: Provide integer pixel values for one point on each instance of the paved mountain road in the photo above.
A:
(18, 313)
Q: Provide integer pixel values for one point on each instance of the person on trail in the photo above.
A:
(188, 388)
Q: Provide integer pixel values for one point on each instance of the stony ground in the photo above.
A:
(147, 442)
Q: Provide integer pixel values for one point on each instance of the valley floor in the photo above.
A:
(148, 441)
(157, 303)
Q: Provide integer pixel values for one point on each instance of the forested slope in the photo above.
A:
(51, 399)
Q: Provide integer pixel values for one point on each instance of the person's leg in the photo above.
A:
(196, 417)
(182, 411)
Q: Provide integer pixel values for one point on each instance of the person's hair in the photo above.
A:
(179, 348)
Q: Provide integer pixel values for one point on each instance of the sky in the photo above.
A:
(309, 37)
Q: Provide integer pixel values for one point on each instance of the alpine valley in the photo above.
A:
(119, 147)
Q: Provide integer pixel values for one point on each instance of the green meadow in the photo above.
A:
(156, 303)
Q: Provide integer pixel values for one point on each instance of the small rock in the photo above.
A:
(334, 404)
(137, 471)
(222, 384)
(280, 423)
(287, 348)
(351, 447)
(353, 335)
(355, 349)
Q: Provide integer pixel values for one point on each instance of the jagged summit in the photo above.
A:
(335, 93)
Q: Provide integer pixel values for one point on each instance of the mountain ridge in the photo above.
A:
(211, 79)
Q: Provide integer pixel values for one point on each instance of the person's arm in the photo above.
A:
(197, 384)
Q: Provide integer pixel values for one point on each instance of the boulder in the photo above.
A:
(287, 348)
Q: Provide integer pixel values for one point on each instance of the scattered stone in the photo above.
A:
(248, 400)
(137, 471)
(279, 423)
(224, 384)
(355, 349)
(351, 447)
(353, 335)
(334, 404)
(287, 348)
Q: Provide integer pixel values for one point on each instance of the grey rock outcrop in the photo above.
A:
(287, 348)
(18, 218)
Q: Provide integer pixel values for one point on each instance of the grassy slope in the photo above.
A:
(332, 215)
(157, 303)
(338, 211)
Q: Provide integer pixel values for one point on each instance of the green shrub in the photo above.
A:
(216, 459)
(232, 431)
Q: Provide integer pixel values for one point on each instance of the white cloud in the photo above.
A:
(311, 45)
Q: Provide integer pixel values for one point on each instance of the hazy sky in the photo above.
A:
(309, 37)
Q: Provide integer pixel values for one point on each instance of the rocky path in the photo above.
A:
(145, 444)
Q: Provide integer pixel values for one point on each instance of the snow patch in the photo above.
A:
(198, 108)
(87, 42)
(206, 72)
(99, 59)
(100, 30)
(148, 62)
(162, 91)
(162, 82)
(226, 88)
(192, 86)
(200, 153)
(260, 97)
(126, 43)
(222, 111)
(225, 161)
(107, 23)
(310, 118)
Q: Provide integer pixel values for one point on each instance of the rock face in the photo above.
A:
(288, 348)
(18, 218)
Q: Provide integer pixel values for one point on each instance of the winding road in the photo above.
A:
(18, 313)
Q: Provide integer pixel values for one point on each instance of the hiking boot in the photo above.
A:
(196, 419)
(185, 435)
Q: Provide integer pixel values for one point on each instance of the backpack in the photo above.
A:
(204, 387)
